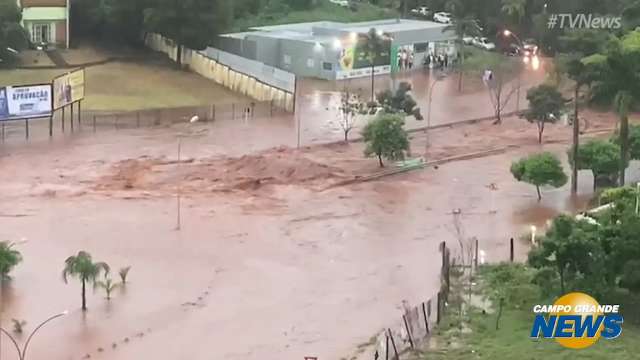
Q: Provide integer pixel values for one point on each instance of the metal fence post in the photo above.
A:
(26, 128)
(386, 347)
(63, 116)
(511, 250)
(438, 315)
(475, 259)
(406, 326)
(71, 122)
(51, 125)
(393, 343)
(426, 320)
(79, 114)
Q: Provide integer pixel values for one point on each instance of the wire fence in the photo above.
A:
(70, 121)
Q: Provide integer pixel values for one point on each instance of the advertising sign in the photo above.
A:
(24, 102)
(356, 56)
(68, 89)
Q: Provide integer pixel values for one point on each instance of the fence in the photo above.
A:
(249, 77)
(419, 322)
(95, 121)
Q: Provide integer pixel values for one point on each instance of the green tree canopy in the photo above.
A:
(539, 170)
(545, 105)
(385, 137)
(190, 23)
(12, 35)
(601, 157)
(401, 101)
(9, 258)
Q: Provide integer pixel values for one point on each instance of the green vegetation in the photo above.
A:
(511, 341)
(539, 170)
(323, 11)
(107, 285)
(9, 258)
(602, 157)
(545, 104)
(82, 267)
(385, 137)
(400, 102)
(12, 35)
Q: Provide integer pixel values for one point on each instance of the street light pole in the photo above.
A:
(22, 353)
(439, 76)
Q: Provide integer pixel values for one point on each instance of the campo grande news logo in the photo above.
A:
(577, 321)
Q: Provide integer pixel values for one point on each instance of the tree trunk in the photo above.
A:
(576, 141)
(84, 296)
(460, 65)
(346, 136)
(540, 131)
(624, 146)
(538, 190)
(380, 160)
(500, 306)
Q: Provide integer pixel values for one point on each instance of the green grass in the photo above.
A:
(134, 86)
(325, 11)
(512, 340)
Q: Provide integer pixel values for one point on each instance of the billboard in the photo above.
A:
(24, 102)
(356, 56)
(68, 88)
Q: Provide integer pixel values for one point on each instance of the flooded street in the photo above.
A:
(284, 268)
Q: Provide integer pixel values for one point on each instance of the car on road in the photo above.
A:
(529, 48)
(442, 17)
(343, 3)
(421, 11)
(484, 43)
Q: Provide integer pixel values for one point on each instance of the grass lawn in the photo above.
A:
(325, 11)
(122, 86)
(481, 340)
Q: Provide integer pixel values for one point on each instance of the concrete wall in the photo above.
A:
(44, 13)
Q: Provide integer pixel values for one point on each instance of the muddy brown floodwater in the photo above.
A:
(270, 262)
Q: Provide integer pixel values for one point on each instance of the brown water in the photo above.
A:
(284, 273)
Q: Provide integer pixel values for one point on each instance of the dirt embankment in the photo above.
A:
(280, 166)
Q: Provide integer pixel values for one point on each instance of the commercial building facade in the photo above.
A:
(46, 21)
(334, 51)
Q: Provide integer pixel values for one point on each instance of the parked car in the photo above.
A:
(484, 43)
(343, 3)
(467, 40)
(442, 17)
(421, 11)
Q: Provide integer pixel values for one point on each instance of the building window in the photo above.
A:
(421, 47)
(41, 33)
(286, 59)
(327, 66)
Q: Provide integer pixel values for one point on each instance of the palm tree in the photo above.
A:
(582, 75)
(374, 44)
(463, 26)
(514, 8)
(82, 267)
(9, 258)
(108, 285)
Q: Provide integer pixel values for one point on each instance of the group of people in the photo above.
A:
(440, 61)
(405, 59)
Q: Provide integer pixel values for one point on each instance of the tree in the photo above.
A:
(545, 104)
(514, 9)
(375, 45)
(9, 258)
(539, 170)
(462, 25)
(497, 73)
(190, 23)
(400, 102)
(350, 106)
(82, 267)
(107, 285)
(583, 75)
(385, 137)
(124, 272)
(12, 35)
(601, 157)
(618, 84)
